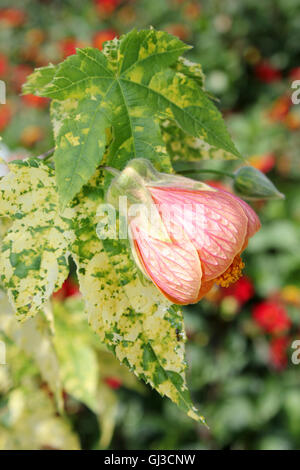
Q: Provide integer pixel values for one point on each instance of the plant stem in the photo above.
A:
(44, 156)
(217, 172)
(112, 171)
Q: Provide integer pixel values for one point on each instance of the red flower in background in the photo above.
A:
(68, 289)
(192, 11)
(179, 30)
(242, 290)
(264, 163)
(35, 101)
(291, 295)
(5, 115)
(280, 108)
(102, 36)
(106, 6)
(271, 317)
(113, 382)
(12, 16)
(266, 73)
(292, 121)
(3, 65)
(295, 73)
(68, 46)
(19, 76)
(31, 135)
(278, 352)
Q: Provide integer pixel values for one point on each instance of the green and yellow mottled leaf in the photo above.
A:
(125, 90)
(136, 98)
(80, 75)
(80, 147)
(130, 315)
(39, 79)
(181, 146)
(142, 328)
(190, 69)
(35, 250)
(183, 101)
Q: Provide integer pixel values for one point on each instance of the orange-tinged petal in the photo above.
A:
(253, 220)
(173, 266)
(205, 288)
(214, 221)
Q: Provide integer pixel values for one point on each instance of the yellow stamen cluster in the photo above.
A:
(232, 274)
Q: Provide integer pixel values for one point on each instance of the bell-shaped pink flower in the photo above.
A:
(197, 236)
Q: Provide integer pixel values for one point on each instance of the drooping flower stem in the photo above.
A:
(46, 155)
(203, 170)
(111, 170)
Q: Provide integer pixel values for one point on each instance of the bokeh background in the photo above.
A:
(239, 339)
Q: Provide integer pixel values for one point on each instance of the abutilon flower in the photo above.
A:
(194, 235)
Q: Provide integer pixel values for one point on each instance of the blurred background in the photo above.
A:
(239, 339)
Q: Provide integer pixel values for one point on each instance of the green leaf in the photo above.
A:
(142, 328)
(39, 79)
(187, 104)
(80, 75)
(130, 315)
(190, 69)
(125, 91)
(181, 146)
(34, 251)
(80, 147)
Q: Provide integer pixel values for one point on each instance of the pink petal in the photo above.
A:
(214, 221)
(205, 288)
(174, 267)
(253, 220)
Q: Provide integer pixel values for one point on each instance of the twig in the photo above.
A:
(47, 154)
(216, 172)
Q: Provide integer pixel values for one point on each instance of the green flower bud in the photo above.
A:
(251, 183)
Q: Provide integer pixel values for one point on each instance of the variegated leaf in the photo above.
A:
(39, 79)
(182, 146)
(127, 88)
(142, 328)
(35, 250)
(190, 69)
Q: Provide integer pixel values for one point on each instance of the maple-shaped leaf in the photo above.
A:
(143, 329)
(182, 146)
(128, 88)
(41, 77)
(35, 249)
